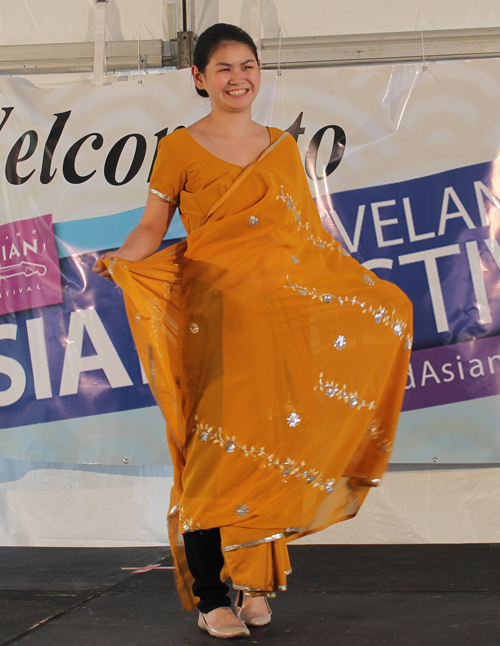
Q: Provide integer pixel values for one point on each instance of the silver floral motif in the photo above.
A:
(384, 446)
(369, 280)
(193, 328)
(253, 220)
(398, 329)
(187, 524)
(374, 429)
(340, 342)
(291, 205)
(230, 446)
(242, 510)
(329, 486)
(380, 315)
(203, 436)
(289, 467)
(309, 479)
(293, 419)
(408, 343)
(295, 260)
(303, 291)
(345, 253)
(332, 389)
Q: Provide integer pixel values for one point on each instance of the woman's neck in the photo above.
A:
(230, 124)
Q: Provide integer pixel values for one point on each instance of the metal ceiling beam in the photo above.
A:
(315, 51)
(79, 57)
(394, 47)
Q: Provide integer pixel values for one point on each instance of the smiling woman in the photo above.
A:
(278, 361)
(229, 73)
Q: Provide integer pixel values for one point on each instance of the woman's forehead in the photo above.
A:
(232, 52)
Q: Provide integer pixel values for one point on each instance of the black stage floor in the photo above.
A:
(339, 595)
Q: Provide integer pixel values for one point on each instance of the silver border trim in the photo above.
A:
(255, 592)
(162, 195)
(267, 539)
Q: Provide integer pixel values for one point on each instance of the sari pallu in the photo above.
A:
(278, 361)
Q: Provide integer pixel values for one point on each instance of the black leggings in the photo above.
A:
(205, 562)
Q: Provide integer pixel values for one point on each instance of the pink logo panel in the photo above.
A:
(29, 266)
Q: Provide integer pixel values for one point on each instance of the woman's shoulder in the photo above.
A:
(286, 138)
(275, 133)
(175, 138)
(178, 145)
(285, 141)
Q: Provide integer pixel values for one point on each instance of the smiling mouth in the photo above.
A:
(237, 92)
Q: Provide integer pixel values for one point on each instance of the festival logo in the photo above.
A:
(29, 266)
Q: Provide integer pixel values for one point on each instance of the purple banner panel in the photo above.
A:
(453, 373)
(29, 266)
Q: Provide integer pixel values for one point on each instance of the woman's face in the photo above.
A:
(231, 77)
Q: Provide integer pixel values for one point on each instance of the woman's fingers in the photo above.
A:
(105, 274)
(100, 268)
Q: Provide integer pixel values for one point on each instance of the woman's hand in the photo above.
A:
(145, 238)
(100, 268)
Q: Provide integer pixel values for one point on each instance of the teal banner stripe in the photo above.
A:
(131, 437)
(107, 232)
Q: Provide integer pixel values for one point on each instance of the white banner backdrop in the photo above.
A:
(402, 163)
(401, 124)
(48, 505)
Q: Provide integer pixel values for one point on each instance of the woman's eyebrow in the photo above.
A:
(250, 60)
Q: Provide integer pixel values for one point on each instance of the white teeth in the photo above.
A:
(236, 92)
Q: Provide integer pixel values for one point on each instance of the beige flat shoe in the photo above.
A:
(216, 628)
(250, 616)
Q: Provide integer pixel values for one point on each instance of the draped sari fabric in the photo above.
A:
(278, 361)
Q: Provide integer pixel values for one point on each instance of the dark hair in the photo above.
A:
(214, 36)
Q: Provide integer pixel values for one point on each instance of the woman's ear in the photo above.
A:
(197, 78)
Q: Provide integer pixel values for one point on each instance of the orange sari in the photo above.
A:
(278, 361)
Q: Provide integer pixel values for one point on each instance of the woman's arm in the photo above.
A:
(145, 238)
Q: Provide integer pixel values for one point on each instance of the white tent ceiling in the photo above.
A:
(59, 35)
(295, 18)
(72, 21)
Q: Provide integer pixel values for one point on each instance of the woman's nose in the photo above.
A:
(236, 75)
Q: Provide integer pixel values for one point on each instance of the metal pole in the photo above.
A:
(100, 42)
(186, 37)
